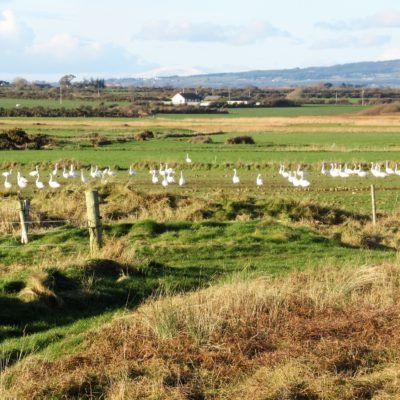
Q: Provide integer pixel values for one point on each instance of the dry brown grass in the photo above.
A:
(38, 288)
(348, 123)
(330, 334)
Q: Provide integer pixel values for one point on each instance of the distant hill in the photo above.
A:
(377, 73)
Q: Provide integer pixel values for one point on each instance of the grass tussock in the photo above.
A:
(39, 288)
(381, 109)
(329, 334)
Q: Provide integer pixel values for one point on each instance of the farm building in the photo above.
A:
(233, 102)
(190, 99)
(210, 100)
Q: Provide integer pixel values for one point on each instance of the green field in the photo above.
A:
(176, 239)
(54, 103)
(319, 109)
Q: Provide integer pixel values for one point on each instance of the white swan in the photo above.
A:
(154, 178)
(72, 173)
(65, 173)
(53, 184)
(187, 159)
(324, 171)
(170, 177)
(182, 180)
(235, 178)
(389, 170)
(39, 184)
(7, 185)
(259, 181)
(131, 171)
(83, 177)
(7, 173)
(164, 182)
(21, 181)
(35, 172)
(55, 170)
(110, 172)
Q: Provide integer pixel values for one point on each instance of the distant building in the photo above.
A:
(210, 100)
(189, 99)
(234, 102)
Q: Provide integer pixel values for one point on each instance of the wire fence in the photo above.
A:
(15, 220)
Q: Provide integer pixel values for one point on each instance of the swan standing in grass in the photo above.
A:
(170, 177)
(72, 173)
(259, 181)
(53, 184)
(131, 171)
(360, 172)
(35, 172)
(235, 178)
(21, 181)
(182, 180)
(164, 182)
(110, 172)
(39, 184)
(389, 170)
(7, 185)
(83, 177)
(55, 170)
(187, 159)
(65, 173)
(324, 171)
(154, 178)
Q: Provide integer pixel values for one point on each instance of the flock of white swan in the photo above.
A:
(166, 175)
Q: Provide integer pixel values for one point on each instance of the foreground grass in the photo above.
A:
(326, 334)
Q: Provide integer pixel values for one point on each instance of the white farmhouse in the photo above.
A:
(189, 99)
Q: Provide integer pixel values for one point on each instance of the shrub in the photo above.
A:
(201, 139)
(240, 140)
(142, 136)
(98, 140)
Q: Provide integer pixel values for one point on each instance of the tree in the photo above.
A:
(66, 80)
(20, 83)
(296, 95)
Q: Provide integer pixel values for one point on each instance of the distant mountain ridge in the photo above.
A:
(369, 73)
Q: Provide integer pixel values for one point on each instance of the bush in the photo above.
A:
(98, 140)
(240, 140)
(142, 136)
(201, 139)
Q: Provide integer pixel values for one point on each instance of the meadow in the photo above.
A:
(296, 254)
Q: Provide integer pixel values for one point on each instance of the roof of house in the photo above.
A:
(190, 96)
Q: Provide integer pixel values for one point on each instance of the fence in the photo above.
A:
(93, 219)
(22, 208)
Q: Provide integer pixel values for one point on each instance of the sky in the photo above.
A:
(46, 39)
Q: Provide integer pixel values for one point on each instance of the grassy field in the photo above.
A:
(62, 311)
(54, 103)
(318, 109)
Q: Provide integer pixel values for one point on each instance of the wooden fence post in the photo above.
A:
(94, 224)
(23, 211)
(373, 201)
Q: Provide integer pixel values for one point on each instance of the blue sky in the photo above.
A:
(45, 39)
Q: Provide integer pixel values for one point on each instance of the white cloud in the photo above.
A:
(64, 53)
(63, 46)
(381, 20)
(161, 30)
(351, 41)
(13, 33)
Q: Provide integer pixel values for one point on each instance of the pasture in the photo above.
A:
(164, 241)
